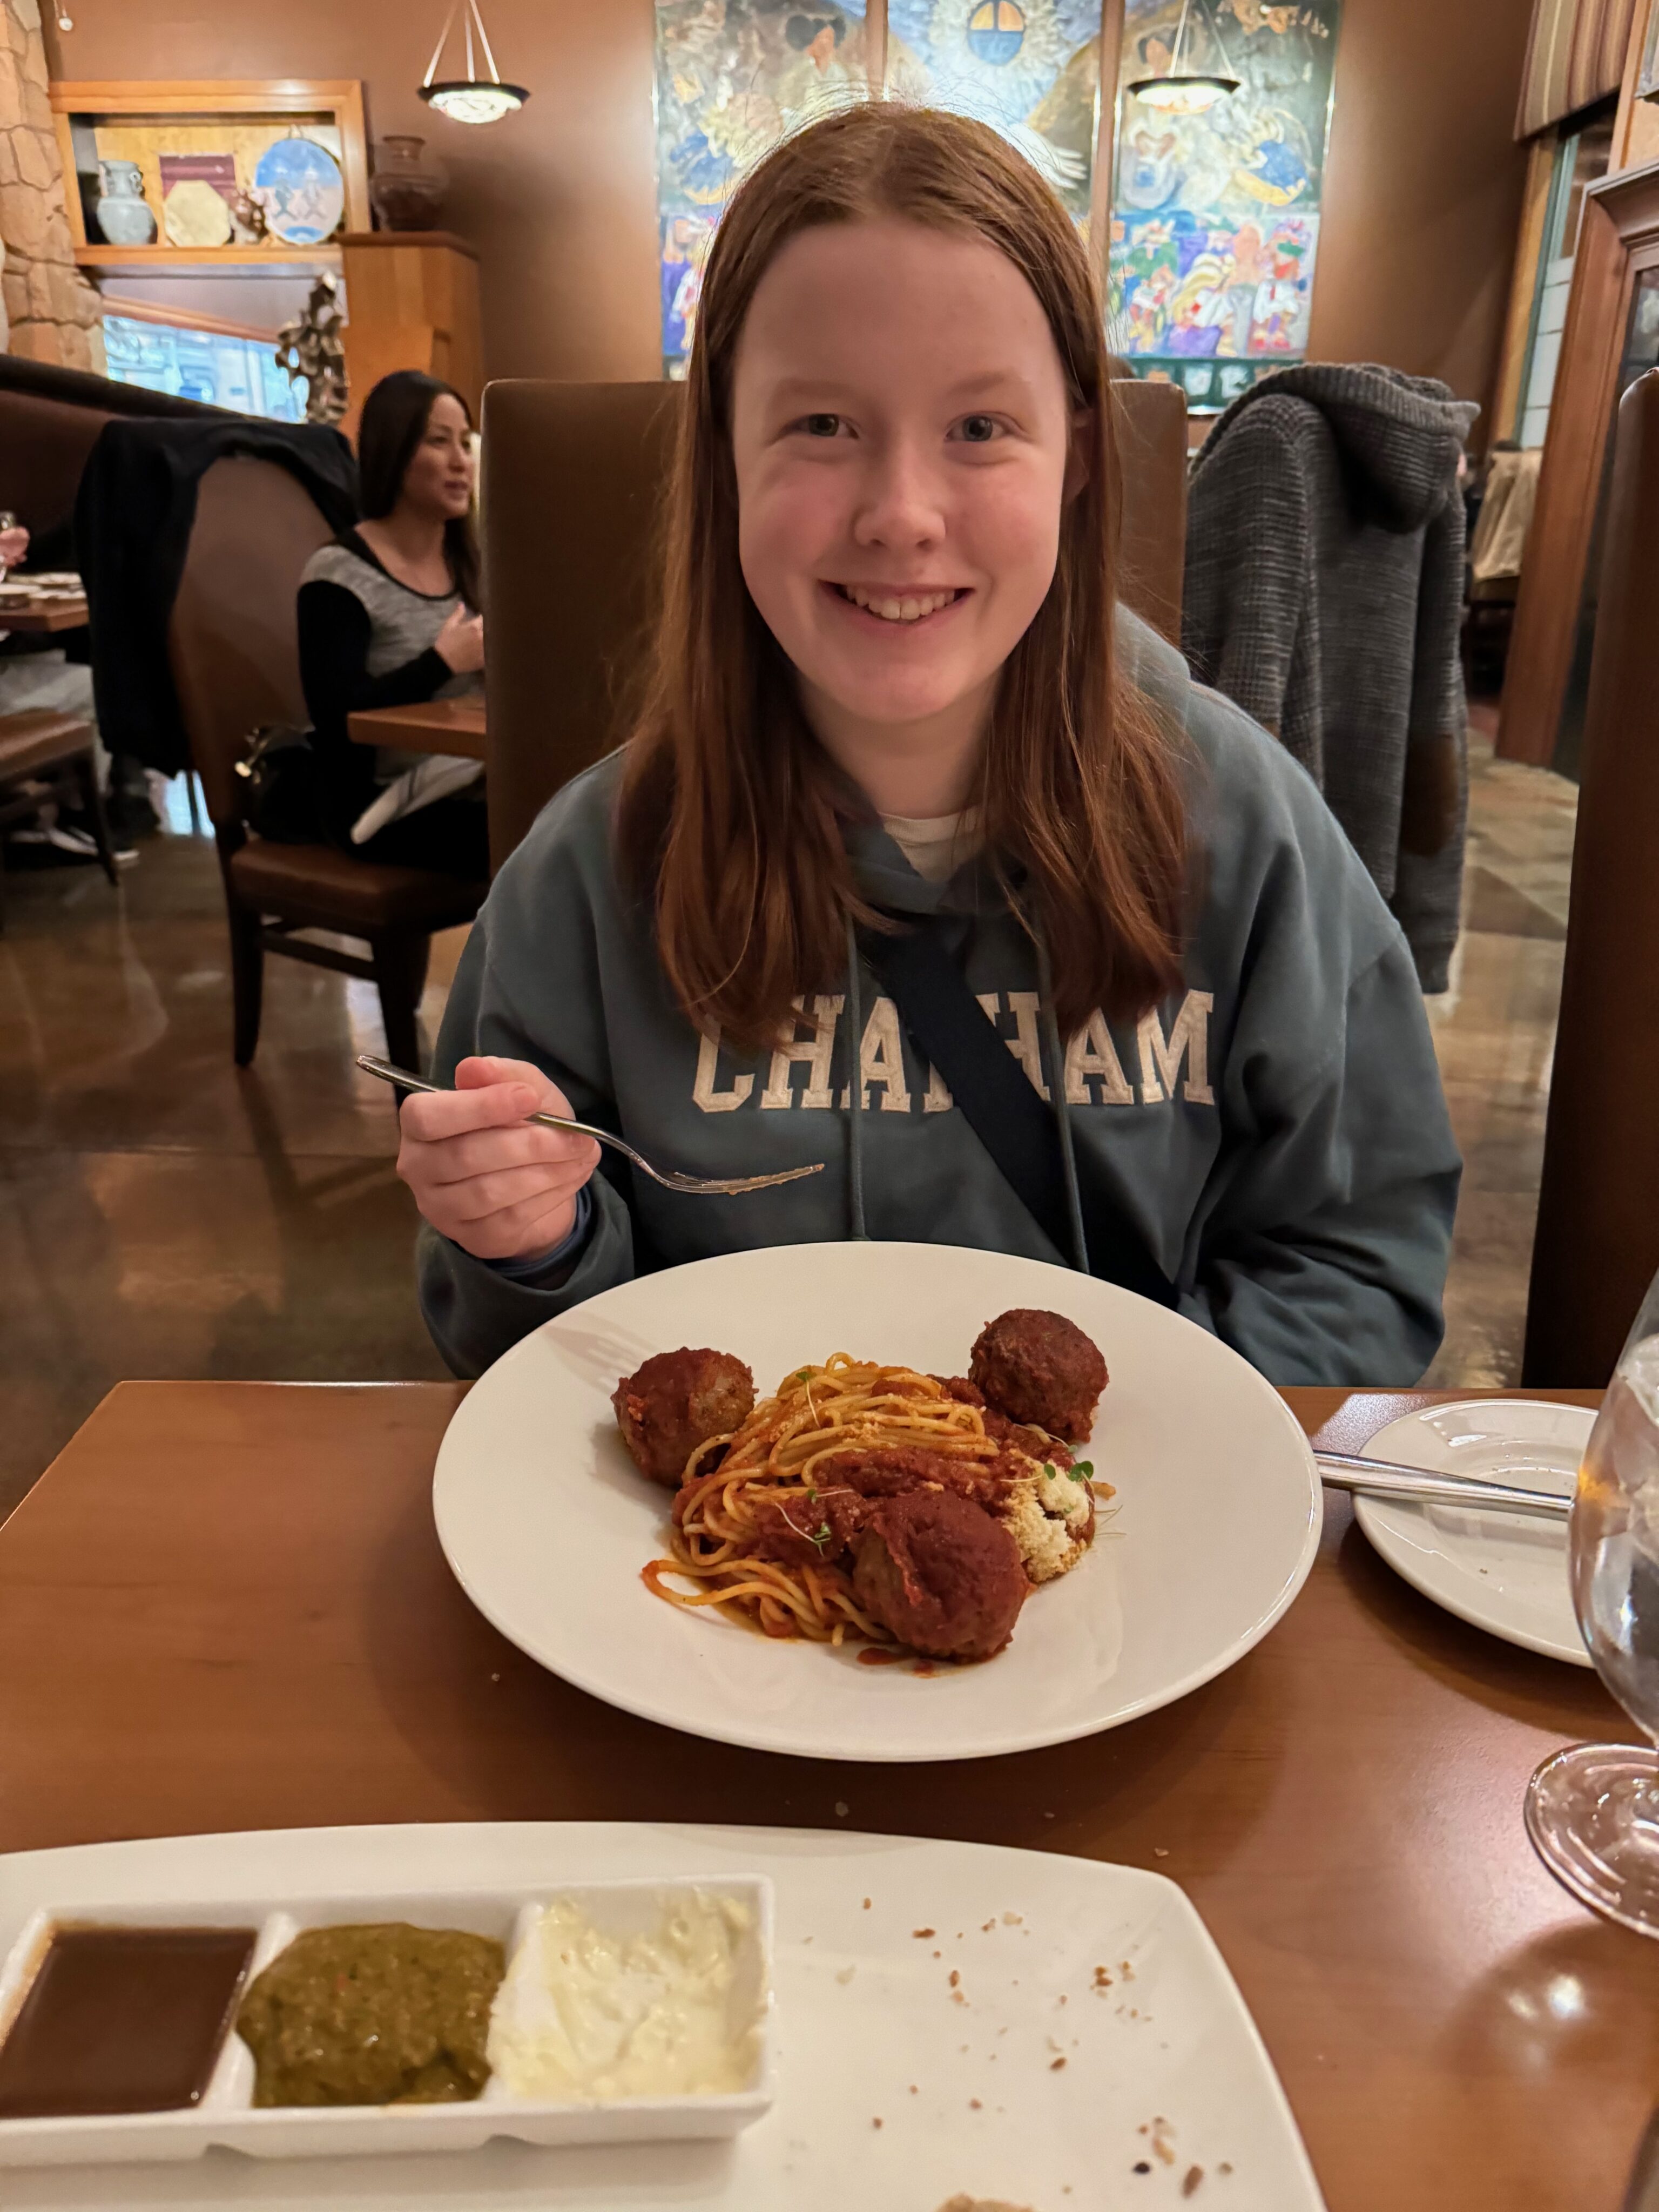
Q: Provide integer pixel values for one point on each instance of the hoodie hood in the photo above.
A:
(886, 878)
(1399, 436)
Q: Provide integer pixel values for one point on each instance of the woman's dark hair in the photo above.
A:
(394, 420)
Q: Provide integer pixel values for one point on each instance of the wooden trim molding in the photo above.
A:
(184, 319)
(1506, 406)
(1099, 199)
(1638, 40)
(1618, 238)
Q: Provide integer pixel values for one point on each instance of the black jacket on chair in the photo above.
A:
(133, 517)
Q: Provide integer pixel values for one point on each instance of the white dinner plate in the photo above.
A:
(1502, 1571)
(961, 2077)
(547, 1523)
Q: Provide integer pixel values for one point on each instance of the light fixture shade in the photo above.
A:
(1182, 95)
(474, 100)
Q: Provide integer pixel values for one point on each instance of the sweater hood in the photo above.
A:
(1399, 436)
(886, 878)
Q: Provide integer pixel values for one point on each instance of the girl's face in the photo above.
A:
(903, 436)
(438, 481)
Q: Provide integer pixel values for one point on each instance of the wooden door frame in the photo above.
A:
(1618, 239)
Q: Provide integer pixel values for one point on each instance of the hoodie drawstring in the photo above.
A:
(1056, 1074)
(855, 1229)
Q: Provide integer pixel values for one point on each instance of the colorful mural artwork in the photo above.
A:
(734, 77)
(1030, 69)
(1215, 216)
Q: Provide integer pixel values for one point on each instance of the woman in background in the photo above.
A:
(389, 617)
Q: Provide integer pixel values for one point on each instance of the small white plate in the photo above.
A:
(1502, 1571)
(961, 2076)
(546, 1522)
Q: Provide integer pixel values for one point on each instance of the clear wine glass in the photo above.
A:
(1593, 1810)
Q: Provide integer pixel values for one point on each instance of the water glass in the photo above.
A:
(1592, 1811)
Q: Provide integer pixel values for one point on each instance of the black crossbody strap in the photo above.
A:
(948, 1026)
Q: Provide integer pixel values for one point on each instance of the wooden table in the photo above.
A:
(224, 1606)
(60, 611)
(440, 725)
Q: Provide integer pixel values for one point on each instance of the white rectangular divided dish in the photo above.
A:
(226, 2116)
(961, 2076)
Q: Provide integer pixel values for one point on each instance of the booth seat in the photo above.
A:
(572, 479)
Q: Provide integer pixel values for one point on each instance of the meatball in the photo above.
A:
(1039, 1368)
(678, 1401)
(810, 1531)
(941, 1574)
(891, 1470)
(1035, 1443)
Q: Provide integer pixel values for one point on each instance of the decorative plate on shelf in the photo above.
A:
(301, 188)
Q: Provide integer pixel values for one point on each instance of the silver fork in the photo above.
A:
(670, 1179)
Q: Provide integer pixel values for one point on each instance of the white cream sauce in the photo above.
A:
(585, 2014)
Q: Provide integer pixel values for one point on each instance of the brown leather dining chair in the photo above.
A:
(1597, 1244)
(572, 478)
(233, 646)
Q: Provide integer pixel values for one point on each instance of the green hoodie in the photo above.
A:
(1276, 1132)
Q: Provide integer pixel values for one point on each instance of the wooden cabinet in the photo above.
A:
(412, 302)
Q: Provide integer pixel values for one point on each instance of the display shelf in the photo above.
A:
(277, 259)
(190, 107)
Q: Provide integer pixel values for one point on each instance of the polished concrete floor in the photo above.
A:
(163, 1213)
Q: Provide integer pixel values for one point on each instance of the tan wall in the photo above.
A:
(1423, 188)
(1422, 197)
(560, 199)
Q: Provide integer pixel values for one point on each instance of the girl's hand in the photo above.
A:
(460, 642)
(500, 1186)
(13, 547)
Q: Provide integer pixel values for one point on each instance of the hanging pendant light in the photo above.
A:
(1185, 91)
(471, 98)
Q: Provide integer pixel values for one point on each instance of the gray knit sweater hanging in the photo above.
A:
(1324, 591)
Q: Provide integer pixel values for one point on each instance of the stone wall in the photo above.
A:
(53, 312)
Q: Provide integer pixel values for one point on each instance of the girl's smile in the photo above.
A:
(898, 606)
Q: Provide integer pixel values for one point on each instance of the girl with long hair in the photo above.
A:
(902, 752)
(389, 617)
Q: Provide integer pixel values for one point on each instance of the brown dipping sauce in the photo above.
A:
(378, 2015)
(122, 2019)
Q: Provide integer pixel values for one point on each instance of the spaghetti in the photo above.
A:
(777, 1468)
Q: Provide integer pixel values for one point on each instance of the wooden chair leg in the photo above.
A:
(248, 977)
(86, 769)
(400, 962)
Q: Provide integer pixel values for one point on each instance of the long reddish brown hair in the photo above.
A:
(728, 811)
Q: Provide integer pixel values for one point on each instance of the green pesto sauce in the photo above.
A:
(383, 2014)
